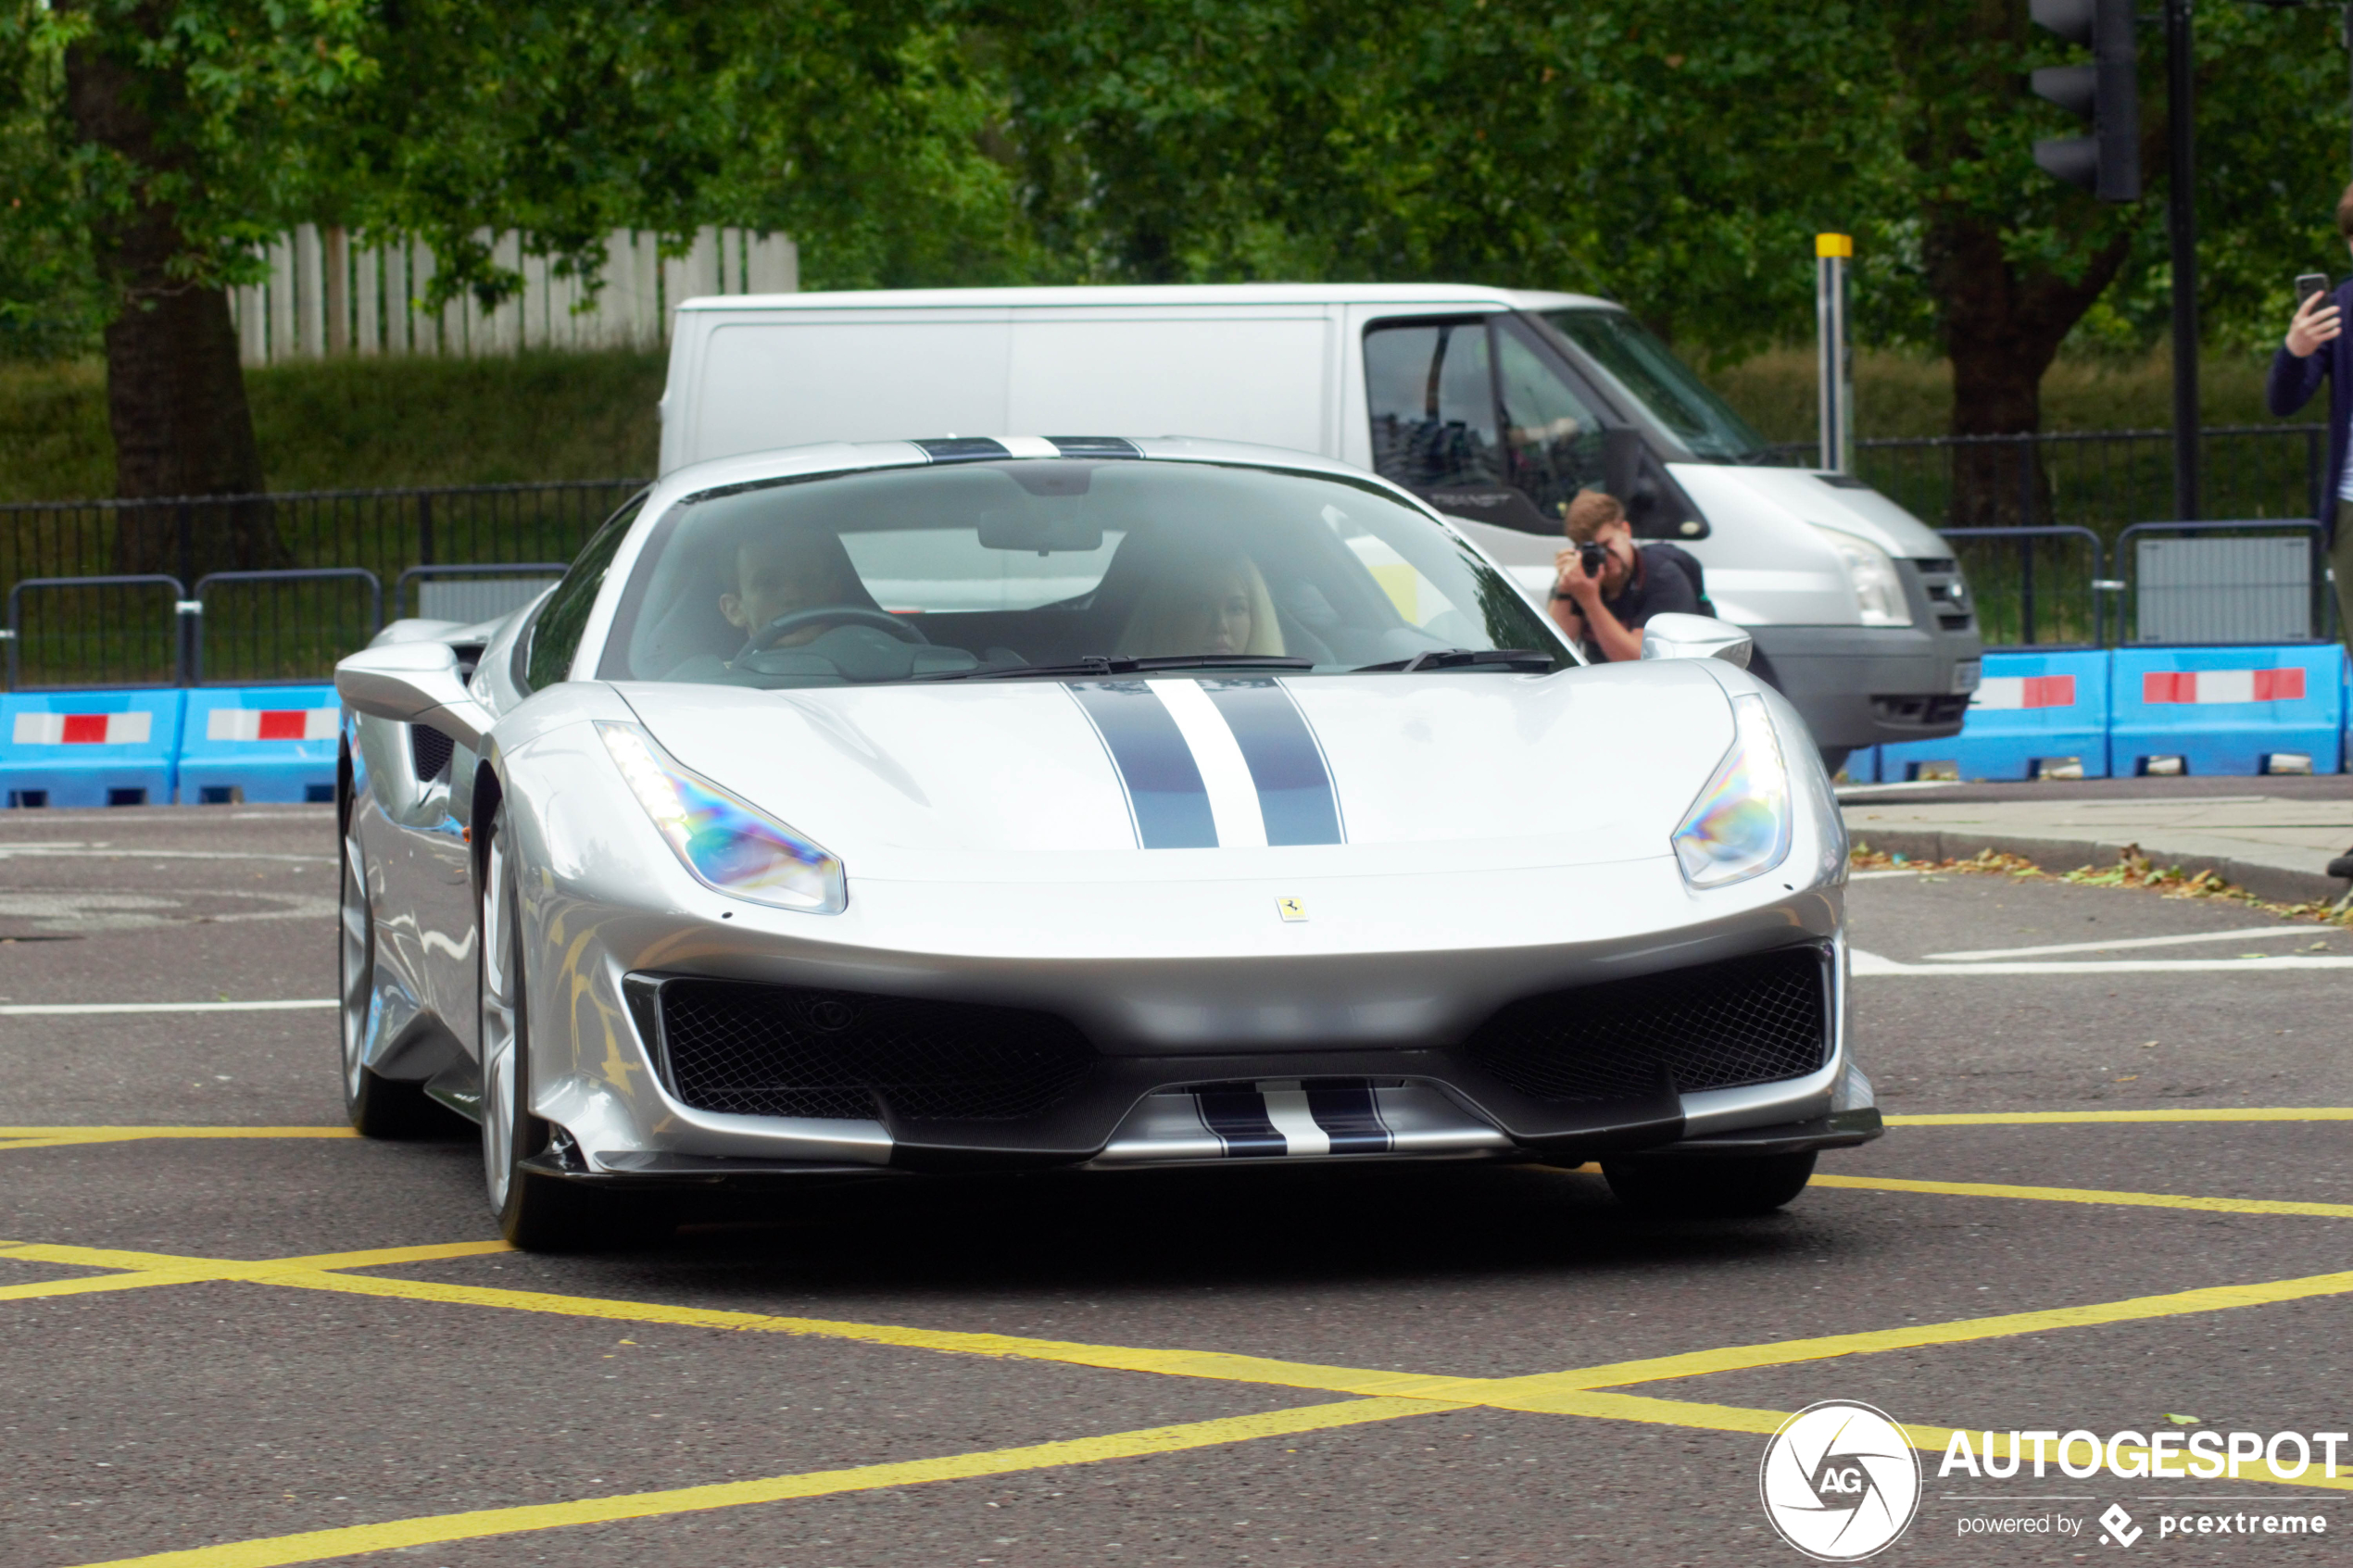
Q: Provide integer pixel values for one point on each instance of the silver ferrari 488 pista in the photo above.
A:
(1002, 805)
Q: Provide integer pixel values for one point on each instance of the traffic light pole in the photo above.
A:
(2181, 201)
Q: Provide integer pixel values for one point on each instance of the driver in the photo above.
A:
(779, 571)
(1216, 604)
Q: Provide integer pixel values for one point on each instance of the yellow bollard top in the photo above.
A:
(1834, 244)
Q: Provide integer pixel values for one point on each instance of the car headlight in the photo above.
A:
(1738, 826)
(727, 846)
(1877, 589)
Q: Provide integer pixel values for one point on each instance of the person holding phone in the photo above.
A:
(2316, 346)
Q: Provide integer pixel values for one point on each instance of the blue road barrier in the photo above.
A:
(90, 748)
(274, 744)
(2034, 715)
(2237, 710)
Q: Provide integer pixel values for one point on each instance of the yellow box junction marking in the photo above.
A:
(1381, 1395)
(57, 1137)
(2089, 1194)
(1378, 1395)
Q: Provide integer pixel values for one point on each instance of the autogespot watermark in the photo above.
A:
(1841, 1482)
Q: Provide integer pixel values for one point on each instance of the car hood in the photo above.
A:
(1174, 776)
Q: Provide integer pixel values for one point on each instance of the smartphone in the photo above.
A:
(2308, 285)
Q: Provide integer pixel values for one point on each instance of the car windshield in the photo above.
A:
(994, 569)
(1651, 374)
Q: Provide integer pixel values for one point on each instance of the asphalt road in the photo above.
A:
(829, 1358)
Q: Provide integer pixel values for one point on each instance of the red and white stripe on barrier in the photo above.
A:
(272, 723)
(2025, 691)
(2223, 685)
(84, 729)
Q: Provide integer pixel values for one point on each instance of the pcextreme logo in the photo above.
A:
(1839, 1481)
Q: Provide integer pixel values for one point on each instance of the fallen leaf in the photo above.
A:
(2181, 1419)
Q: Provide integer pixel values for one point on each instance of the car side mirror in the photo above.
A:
(1696, 636)
(414, 684)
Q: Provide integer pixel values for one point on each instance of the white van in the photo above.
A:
(1494, 405)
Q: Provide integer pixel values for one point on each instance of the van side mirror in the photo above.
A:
(1696, 636)
(413, 683)
(1623, 450)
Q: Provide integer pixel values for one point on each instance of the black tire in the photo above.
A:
(537, 1212)
(1708, 1187)
(378, 1107)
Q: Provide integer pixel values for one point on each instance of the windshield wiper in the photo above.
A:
(1124, 664)
(1462, 659)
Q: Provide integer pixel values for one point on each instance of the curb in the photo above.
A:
(2281, 885)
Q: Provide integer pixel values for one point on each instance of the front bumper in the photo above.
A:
(1868, 685)
(1449, 1101)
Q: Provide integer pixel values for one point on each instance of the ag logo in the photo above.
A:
(1839, 1481)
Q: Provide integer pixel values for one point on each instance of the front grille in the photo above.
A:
(1918, 710)
(1747, 1020)
(780, 1050)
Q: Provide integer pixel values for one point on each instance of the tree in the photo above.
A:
(166, 126)
(170, 137)
(1677, 157)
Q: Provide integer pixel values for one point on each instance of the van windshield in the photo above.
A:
(1651, 375)
(1030, 565)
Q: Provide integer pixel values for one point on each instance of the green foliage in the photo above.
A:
(363, 424)
(1675, 156)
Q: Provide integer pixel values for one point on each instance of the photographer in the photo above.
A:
(1609, 587)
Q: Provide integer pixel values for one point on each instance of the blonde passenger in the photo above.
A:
(1217, 605)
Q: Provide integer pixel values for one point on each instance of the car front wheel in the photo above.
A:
(538, 1212)
(379, 1107)
(1708, 1187)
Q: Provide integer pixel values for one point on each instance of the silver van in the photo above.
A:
(1494, 405)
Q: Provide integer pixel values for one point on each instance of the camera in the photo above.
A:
(1593, 555)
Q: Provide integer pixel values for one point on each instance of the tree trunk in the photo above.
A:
(2001, 329)
(175, 391)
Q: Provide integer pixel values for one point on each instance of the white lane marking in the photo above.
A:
(1862, 964)
(24, 1009)
(12, 851)
(2132, 942)
(1233, 794)
(1286, 1109)
(1904, 870)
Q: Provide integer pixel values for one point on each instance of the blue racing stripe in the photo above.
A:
(1295, 793)
(1164, 791)
(1349, 1116)
(1237, 1113)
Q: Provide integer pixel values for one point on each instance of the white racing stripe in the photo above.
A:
(1224, 773)
(1286, 1109)
(27, 1009)
(2130, 942)
(1862, 965)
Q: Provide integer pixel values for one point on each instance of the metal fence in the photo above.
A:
(2244, 580)
(75, 621)
(2102, 480)
(76, 618)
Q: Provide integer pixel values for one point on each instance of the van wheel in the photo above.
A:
(1708, 1187)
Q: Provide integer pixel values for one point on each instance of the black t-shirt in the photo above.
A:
(1661, 587)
